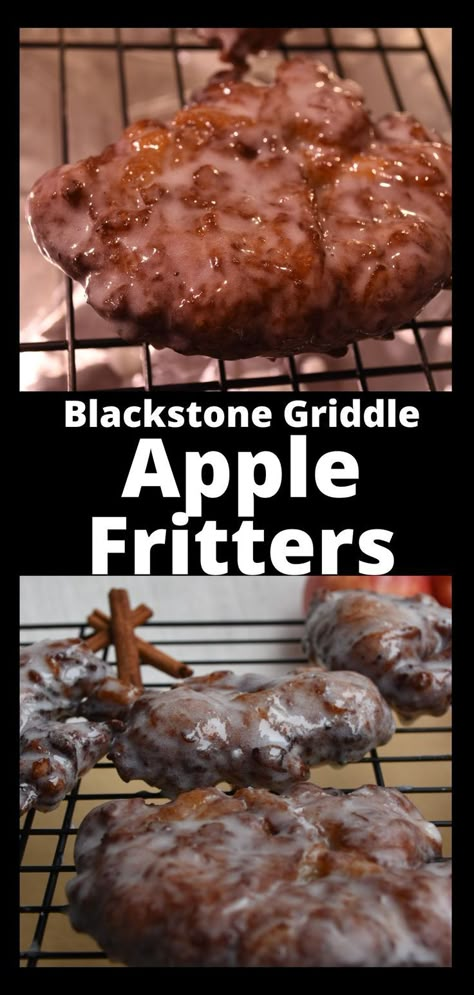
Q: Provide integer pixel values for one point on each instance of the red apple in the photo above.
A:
(405, 587)
(442, 590)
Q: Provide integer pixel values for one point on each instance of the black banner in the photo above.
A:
(365, 466)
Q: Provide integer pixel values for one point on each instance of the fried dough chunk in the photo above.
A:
(262, 220)
(309, 879)
(60, 681)
(249, 730)
(402, 644)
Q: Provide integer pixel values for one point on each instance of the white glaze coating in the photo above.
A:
(402, 644)
(261, 221)
(248, 730)
(262, 880)
(53, 755)
(59, 680)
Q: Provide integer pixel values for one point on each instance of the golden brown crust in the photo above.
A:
(260, 221)
(257, 880)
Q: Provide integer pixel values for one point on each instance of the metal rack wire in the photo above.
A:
(292, 375)
(416, 760)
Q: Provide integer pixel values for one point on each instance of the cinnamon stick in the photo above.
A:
(128, 662)
(98, 641)
(161, 661)
(149, 654)
(100, 621)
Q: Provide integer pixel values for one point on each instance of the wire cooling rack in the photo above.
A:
(416, 760)
(417, 366)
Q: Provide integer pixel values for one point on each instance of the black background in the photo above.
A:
(67, 476)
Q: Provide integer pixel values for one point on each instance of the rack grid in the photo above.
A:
(416, 760)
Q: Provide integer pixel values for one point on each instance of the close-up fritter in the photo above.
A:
(402, 644)
(310, 879)
(249, 729)
(261, 220)
(60, 681)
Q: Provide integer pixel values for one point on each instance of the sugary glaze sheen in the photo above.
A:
(402, 644)
(237, 43)
(58, 681)
(249, 730)
(263, 220)
(311, 879)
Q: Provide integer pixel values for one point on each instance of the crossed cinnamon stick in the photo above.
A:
(119, 628)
